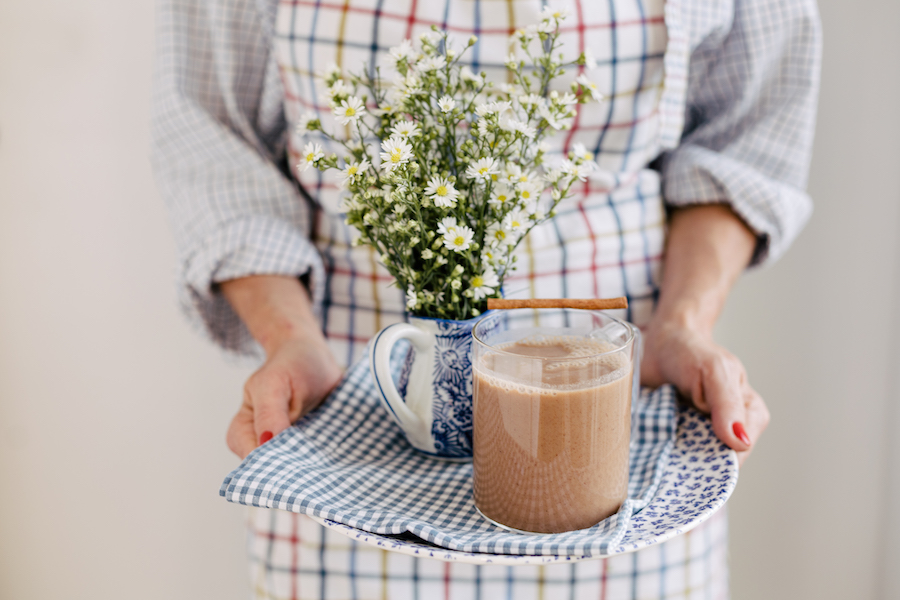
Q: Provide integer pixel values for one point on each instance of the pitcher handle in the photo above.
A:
(380, 364)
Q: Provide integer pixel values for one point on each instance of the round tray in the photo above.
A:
(698, 478)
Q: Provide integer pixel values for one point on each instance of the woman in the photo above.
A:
(703, 143)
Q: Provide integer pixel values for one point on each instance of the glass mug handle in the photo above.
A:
(405, 414)
(638, 353)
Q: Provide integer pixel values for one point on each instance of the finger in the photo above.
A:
(241, 437)
(757, 419)
(269, 394)
(757, 414)
(724, 394)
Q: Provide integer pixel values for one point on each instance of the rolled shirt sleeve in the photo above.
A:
(218, 135)
(751, 106)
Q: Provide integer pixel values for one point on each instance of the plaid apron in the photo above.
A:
(606, 240)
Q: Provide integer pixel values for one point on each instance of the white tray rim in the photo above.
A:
(423, 550)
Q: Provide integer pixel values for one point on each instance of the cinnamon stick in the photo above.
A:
(585, 303)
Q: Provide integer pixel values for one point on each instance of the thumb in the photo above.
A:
(722, 384)
(269, 393)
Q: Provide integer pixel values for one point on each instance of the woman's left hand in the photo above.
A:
(709, 375)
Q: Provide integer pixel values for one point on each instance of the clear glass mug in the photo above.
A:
(552, 417)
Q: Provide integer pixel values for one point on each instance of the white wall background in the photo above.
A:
(107, 398)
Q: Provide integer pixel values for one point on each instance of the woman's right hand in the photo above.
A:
(295, 379)
(300, 370)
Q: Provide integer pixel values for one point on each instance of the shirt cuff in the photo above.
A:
(775, 211)
(252, 246)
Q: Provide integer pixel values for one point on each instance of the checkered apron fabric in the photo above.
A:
(606, 240)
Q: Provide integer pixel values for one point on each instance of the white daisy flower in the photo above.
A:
(553, 176)
(432, 63)
(531, 99)
(303, 125)
(589, 61)
(489, 256)
(412, 300)
(501, 107)
(392, 102)
(482, 127)
(427, 37)
(579, 151)
(403, 52)
(405, 129)
(511, 89)
(548, 116)
(567, 99)
(529, 192)
(484, 285)
(488, 108)
(459, 238)
(353, 170)
(380, 111)
(349, 110)
(526, 34)
(523, 177)
(482, 169)
(312, 153)
(441, 192)
(447, 225)
(516, 220)
(556, 14)
(580, 172)
(546, 26)
(446, 104)
(409, 85)
(500, 195)
(395, 152)
(497, 235)
(512, 172)
(351, 203)
(468, 75)
(339, 90)
(524, 128)
(589, 86)
(512, 63)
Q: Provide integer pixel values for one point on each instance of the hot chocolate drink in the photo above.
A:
(551, 436)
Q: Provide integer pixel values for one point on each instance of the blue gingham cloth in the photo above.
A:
(349, 462)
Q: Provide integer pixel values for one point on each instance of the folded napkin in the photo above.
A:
(349, 462)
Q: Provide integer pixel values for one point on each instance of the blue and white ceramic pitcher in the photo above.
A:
(432, 402)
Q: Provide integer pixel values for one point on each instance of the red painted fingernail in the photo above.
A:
(739, 431)
(265, 436)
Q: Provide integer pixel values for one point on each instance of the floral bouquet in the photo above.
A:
(445, 171)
